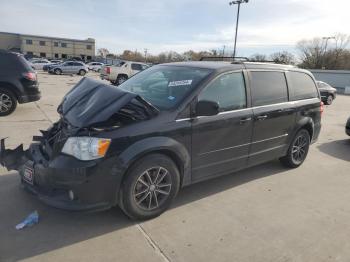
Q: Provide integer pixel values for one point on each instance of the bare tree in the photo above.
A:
(283, 57)
(258, 57)
(103, 52)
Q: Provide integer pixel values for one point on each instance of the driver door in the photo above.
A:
(220, 143)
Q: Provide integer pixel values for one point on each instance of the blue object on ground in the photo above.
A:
(30, 220)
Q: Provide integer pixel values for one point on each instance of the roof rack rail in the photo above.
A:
(224, 58)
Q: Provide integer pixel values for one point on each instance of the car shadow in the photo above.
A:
(58, 228)
(339, 149)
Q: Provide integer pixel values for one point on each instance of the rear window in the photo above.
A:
(268, 88)
(302, 86)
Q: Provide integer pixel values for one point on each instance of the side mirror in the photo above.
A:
(207, 108)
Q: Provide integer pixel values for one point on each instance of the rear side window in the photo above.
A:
(136, 67)
(268, 88)
(227, 90)
(301, 86)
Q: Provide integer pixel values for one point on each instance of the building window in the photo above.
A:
(30, 53)
(42, 54)
(63, 44)
(89, 47)
(57, 56)
(64, 56)
(55, 44)
(29, 42)
(42, 43)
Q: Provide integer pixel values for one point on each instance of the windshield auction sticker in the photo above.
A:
(180, 83)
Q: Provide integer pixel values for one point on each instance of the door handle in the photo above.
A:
(262, 117)
(245, 119)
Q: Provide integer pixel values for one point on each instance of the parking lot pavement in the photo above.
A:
(265, 213)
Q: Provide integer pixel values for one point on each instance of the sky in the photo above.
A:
(266, 26)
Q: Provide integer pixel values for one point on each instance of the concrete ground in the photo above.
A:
(265, 213)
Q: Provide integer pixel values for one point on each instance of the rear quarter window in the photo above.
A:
(301, 86)
(268, 88)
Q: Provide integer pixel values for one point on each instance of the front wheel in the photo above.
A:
(298, 150)
(149, 187)
(58, 71)
(8, 102)
(82, 72)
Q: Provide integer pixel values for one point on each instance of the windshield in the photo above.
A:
(165, 86)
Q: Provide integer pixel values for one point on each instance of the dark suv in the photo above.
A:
(167, 127)
(18, 82)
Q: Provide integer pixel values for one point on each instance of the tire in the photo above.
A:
(8, 102)
(149, 187)
(82, 72)
(298, 150)
(329, 100)
(121, 79)
(58, 71)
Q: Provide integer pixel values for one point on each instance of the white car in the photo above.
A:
(39, 64)
(95, 66)
(119, 74)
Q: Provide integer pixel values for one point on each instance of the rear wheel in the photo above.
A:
(8, 102)
(149, 187)
(121, 79)
(58, 71)
(298, 150)
(82, 72)
(329, 100)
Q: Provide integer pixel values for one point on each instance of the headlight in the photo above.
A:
(86, 148)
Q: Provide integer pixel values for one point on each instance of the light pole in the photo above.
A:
(327, 38)
(146, 50)
(237, 2)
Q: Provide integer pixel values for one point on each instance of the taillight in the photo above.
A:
(321, 108)
(30, 76)
(108, 70)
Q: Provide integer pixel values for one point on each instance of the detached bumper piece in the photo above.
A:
(12, 159)
(63, 182)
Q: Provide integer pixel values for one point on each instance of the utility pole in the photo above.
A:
(223, 51)
(326, 38)
(146, 50)
(237, 2)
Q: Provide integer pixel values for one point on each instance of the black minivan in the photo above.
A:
(167, 127)
(18, 82)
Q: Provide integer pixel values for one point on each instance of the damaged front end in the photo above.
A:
(62, 179)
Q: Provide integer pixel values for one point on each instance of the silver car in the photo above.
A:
(69, 67)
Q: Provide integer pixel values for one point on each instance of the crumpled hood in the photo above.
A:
(91, 102)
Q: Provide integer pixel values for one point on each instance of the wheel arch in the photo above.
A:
(308, 124)
(10, 87)
(159, 145)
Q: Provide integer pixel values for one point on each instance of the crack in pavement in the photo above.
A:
(153, 244)
(43, 112)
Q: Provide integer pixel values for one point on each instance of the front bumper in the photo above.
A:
(94, 183)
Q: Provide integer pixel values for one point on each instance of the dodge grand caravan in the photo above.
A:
(165, 128)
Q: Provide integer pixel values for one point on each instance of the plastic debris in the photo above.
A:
(30, 220)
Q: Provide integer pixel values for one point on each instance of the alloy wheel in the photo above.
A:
(152, 188)
(5, 103)
(299, 149)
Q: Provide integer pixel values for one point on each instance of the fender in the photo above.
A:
(154, 144)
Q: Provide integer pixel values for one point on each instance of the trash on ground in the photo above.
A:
(30, 220)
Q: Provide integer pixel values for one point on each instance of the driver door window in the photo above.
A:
(228, 91)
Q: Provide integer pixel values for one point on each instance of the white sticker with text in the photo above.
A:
(180, 83)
